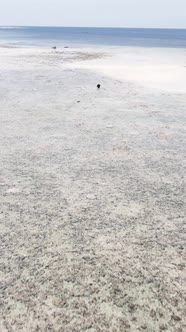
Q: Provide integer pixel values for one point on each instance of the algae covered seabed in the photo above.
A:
(91, 197)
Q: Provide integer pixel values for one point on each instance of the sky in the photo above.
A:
(94, 13)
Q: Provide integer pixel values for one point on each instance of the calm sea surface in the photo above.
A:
(51, 36)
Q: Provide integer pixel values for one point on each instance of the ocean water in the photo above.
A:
(78, 37)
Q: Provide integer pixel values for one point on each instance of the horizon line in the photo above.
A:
(88, 27)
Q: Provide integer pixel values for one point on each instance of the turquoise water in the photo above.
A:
(50, 36)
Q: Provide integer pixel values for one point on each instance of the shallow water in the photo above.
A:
(60, 36)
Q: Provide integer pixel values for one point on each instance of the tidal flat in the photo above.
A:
(92, 190)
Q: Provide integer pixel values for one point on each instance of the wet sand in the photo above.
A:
(92, 192)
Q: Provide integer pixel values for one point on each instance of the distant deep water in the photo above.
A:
(51, 36)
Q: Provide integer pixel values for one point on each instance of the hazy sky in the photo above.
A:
(113, 13)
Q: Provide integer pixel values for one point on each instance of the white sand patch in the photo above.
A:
(160, 69)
